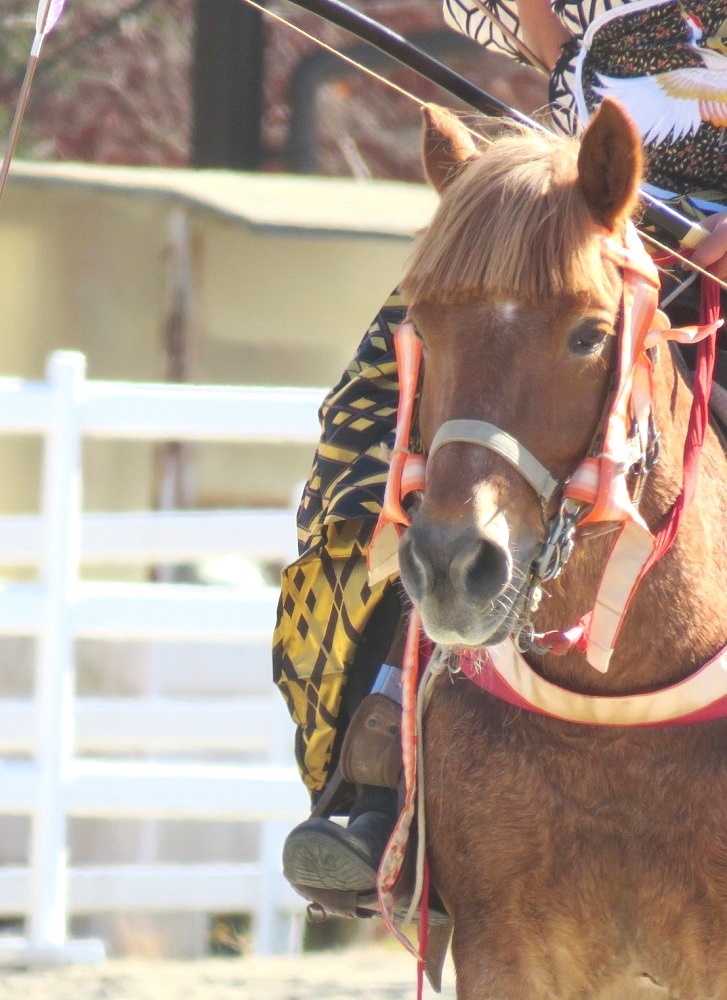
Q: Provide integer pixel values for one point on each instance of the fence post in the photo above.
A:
(54, 661)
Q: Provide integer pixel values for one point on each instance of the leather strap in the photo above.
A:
(504, 672)
(488, 436)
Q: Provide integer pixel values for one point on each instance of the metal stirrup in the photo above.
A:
(488, 436)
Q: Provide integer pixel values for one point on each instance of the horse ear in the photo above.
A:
(448, 145)
(610, 163)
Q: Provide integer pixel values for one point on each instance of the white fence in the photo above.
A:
(52, 763)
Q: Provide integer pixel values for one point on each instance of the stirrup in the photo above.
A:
(338, 902)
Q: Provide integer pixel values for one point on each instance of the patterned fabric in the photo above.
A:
(358, 416)
(665, 60)
(467, 17)
(326, 599)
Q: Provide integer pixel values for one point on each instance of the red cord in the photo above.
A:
(698, 421)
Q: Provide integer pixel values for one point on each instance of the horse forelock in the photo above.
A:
(513, 224)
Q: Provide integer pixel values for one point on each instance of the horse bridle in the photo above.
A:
(603, 492)
(488, 436)
(561, 527)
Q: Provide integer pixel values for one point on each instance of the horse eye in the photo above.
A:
(588, 338)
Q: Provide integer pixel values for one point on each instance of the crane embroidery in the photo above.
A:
(672, 83)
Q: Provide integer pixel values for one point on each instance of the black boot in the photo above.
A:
(320, 854)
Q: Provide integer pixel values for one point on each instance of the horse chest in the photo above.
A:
(612, 843)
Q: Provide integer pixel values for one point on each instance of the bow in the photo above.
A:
(409, 55)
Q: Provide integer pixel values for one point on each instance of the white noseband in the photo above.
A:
(488, 436)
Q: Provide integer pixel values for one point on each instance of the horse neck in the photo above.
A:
(677, 619)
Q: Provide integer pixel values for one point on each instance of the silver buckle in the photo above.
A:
(557, 550)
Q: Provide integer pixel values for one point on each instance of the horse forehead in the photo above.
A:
(501, 323)
(498, 316)
(506, 311)
(473, 317)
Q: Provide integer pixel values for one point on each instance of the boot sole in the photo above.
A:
(320, 859)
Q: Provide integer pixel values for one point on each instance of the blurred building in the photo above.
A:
(216, 83)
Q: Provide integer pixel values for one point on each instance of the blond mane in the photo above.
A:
(513, 224)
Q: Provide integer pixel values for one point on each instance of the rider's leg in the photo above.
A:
(319, 853)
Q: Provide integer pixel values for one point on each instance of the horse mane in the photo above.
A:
(513, 224)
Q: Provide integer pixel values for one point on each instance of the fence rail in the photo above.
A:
(226, 888)
(158, 536)
(150, 725)
(157, 789)
(160, 412)
(63, 756)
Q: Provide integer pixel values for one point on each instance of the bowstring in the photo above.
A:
(364, 69)
(682, 260)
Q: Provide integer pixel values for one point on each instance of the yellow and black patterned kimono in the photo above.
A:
(326, 600)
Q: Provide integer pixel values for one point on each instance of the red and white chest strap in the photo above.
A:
(505, 673)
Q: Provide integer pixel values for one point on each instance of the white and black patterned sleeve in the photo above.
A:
(467, 18)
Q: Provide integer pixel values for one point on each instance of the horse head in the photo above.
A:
(514, 302)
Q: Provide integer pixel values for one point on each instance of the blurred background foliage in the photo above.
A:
(112, 85)
(216, 83)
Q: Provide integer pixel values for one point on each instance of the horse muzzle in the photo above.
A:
(460, 580)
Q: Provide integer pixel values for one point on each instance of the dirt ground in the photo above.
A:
(373, 973)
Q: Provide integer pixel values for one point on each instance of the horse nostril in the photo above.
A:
(485, 572)
(413, 571)
(453, 562)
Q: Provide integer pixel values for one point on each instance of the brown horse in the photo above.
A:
(577, 862)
